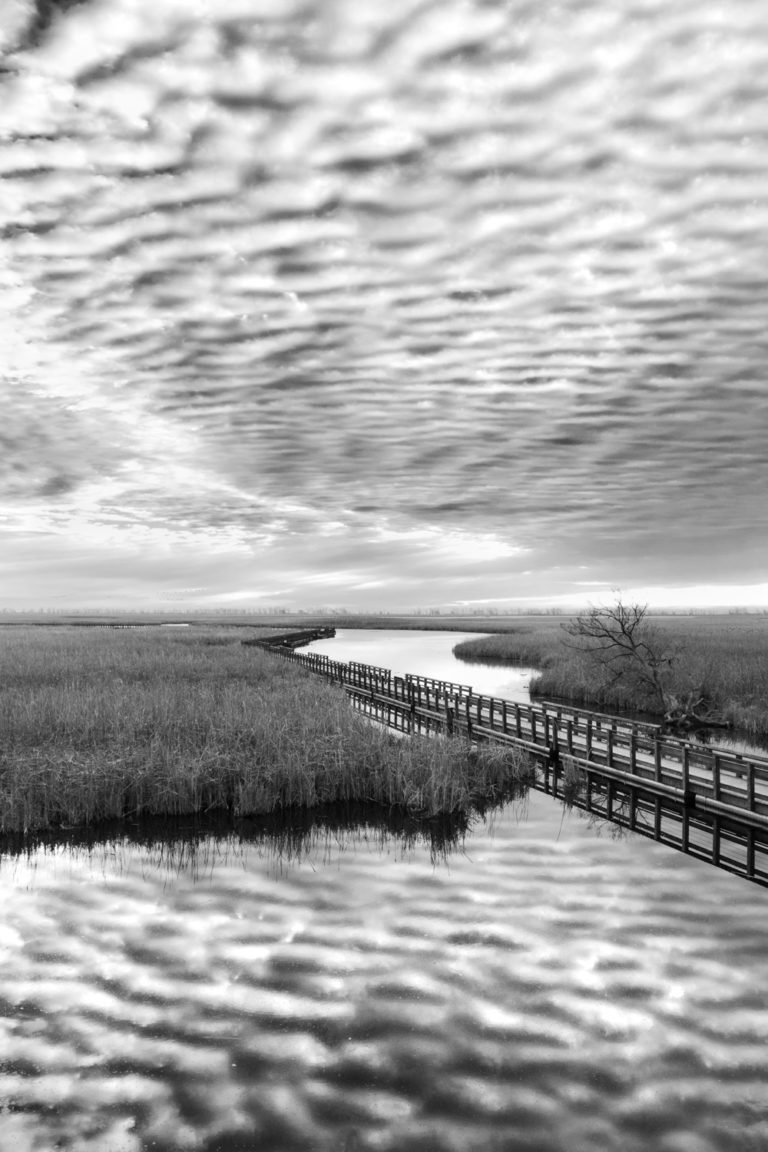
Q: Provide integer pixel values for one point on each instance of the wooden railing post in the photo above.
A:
(554, 754)
(716, 818)
(685, 766)
(737, 809)
(657, 754)
(750, 830)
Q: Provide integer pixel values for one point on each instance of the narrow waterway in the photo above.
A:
(431, 654)
(426, 654)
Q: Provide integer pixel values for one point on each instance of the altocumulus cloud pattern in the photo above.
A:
(327, 299)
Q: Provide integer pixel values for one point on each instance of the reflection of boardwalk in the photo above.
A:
(708, 802)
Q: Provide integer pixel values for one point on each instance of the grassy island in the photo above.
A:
(725, 657)
(98, 724)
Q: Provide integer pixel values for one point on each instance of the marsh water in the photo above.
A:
(425, 653)
(529, 982)
(255, 242)
(539, 987)
(430, 653)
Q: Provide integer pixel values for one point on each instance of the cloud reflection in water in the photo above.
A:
(543, 988)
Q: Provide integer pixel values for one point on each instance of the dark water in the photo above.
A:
(544, 988)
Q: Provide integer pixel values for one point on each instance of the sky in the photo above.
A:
(453, 304)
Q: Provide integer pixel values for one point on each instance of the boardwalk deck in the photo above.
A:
(709, 802)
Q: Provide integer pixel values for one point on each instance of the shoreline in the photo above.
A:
(729, 662)
(126, 724)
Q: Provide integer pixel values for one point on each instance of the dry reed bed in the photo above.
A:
(99, 725)
(726, 656)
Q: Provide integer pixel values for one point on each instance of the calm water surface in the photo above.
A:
(234, 233)
(547, 988)
(431, 654)
(425, 654)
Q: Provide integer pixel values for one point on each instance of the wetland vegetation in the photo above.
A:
(723, 659)
(102, 724)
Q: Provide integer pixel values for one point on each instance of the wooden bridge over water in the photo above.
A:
(709, 802)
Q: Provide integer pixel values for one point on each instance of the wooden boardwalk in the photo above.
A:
(708, 802)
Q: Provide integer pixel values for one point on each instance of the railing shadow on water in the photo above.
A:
(285, 838)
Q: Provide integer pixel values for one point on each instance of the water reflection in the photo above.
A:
(426, 654)
(285, 837)
(540, 988)
(430, 654)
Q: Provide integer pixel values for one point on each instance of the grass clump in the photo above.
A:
(536, 645)
(100, 724)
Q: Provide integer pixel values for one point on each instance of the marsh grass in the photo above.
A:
(531, 644)
(726, 657)
(101, 724)
(573, 782)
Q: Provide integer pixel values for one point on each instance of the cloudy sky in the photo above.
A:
(431, 302)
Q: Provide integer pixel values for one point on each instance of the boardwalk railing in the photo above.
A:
(709, 802)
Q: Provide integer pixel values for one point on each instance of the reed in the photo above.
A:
(538, 645)
(725, 657)
(98, 725)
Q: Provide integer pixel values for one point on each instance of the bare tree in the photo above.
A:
(626, 649)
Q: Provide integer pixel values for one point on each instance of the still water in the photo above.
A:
(540, 987)
(425, 654)
(431, 654)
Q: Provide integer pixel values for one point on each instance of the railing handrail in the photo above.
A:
(542, 711)
(702, 791)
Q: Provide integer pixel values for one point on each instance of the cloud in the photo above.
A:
(382, 303)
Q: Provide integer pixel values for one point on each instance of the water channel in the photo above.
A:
(425, 653)
(430, 653)
(540, 986)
